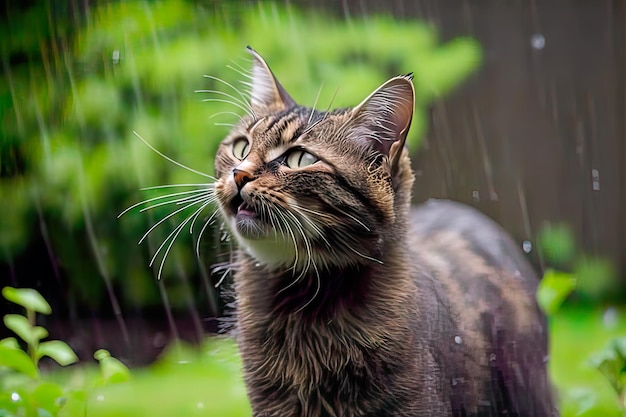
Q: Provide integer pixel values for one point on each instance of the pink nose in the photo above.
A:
(241, 177)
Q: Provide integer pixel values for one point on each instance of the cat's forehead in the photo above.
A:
(271, 134)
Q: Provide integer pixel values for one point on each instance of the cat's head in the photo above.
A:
(308, 189)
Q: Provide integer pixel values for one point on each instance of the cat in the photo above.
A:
(349, 301)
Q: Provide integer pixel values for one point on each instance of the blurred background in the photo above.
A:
(520, 113)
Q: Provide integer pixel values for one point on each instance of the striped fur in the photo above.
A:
(349, 302)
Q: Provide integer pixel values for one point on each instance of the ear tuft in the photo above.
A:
(266, 90)
(386, 114)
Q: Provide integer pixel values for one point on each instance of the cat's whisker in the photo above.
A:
(223, 277)
(209, 202)
(154, 226)
(155, 187)
(245, 72)
(239, 106)
(158, 198)
(364, 256)
(317, 290)
(233, 98)
(244, 98)
(314, 226)
(317, 97)
(307, 244)
(220, 113)
(172, 160)
(354, 218)
(172, 238)
(202, 230)
(179, 201)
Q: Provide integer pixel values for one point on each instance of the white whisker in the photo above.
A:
(155, 187)
(171, 160)
(154, 226)
(157, 198)
(178, 201)
(219, 100)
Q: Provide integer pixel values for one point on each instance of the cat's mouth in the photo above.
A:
(239, 207)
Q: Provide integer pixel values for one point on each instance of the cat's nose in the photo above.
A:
(241, 178)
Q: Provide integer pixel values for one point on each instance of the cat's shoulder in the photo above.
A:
(462, 225)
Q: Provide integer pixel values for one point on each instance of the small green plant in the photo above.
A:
(588, 353)
(611, 362)
(23, 391)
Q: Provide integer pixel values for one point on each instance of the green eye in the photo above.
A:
(241, 148)
(300, 159)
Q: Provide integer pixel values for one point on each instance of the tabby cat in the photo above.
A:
(349, 301)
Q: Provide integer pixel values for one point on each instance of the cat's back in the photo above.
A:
(493, 345)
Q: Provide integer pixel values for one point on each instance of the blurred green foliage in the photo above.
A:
(587, 344)
(69, 160)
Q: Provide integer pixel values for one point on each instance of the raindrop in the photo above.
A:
(116, 56)
(610, 317)
(182, 362)
(595, 180)
(492, 357)
(15, 396)
(200, 405)
(538, 41)
(458, 340)
(476, 195)
(527, 246)
(100, 398)
(258, 264)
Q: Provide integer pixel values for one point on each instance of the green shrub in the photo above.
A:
(71, 158)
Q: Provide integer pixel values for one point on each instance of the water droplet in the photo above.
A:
(492, 357)
(610, 317)
(476, 195)
(527, 246)
(458, 340)
(15, 397)
(258, 264)
(200, 405)
(116, 56)
(595, 180)
(182, 362)
(538, 41)
(100, 397)
(454, 382)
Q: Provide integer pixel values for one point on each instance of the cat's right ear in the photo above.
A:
(266, 90)
(383, 119)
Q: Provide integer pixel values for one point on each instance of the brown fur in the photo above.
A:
(349, 302)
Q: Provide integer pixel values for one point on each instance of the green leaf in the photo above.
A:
(18, 360)
(21, 327)
(554, 289)
(10, 342)
(47, 396)
(57, 350)
(557, 244)
(113, 371)
(27, 298)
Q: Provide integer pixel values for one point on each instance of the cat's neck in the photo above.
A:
(323, 294)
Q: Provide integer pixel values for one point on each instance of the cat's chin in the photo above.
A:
(271, 251)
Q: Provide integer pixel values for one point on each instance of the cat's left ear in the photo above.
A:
(266, 90)
(386, 116)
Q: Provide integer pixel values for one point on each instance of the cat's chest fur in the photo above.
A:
(432, 331)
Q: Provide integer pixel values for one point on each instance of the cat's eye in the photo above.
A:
(300, 159)
(241, 148)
